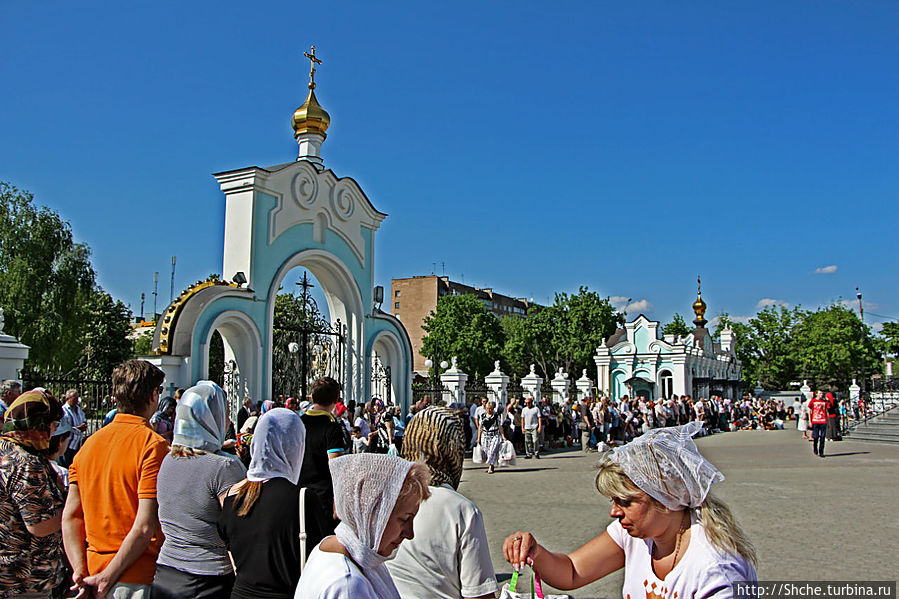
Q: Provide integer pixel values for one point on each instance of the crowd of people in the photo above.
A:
(317, 498)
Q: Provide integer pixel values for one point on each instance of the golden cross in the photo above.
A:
(314, 61)
(699, 285)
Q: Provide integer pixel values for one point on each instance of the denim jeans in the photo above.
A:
(530, 442)
(819, 435)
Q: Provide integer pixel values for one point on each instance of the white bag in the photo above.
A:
(392, 450)
(507, 454)
(510, 591)
(477, 454)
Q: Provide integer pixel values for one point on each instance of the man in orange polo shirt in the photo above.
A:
(110, 524)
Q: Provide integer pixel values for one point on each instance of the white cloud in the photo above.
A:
(642, 305)
(764, 303)
(627, 304)
(716, 319)
(852, 304)
(619, 301)
(826, 270)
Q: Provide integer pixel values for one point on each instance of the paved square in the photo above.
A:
(810, 519)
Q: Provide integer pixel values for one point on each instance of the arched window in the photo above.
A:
(666, 384)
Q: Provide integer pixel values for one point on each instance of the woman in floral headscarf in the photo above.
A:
(30, 501)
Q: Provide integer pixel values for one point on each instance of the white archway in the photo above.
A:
(243, 345)
(344, 304)
(389, 349)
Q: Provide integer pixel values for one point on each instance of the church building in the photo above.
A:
(637, 361)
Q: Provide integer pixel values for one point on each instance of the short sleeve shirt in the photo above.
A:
(188, 489)
(28, 495)
(449, 556)
(117, 467)
(324, 436)
(703, 571)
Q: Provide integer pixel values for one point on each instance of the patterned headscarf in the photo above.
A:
(27, 420)
(435, 436)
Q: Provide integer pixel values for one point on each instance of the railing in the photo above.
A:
(96, 395)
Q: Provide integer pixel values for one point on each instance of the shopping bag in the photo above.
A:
(510, 591)
(477, 454)
(392, 450)
(507, 454)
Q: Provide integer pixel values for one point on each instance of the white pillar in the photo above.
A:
(806, 390)
(584, 385)
(854, 392)
(531, 384)
(454, 380)
(498, 382)
(12, 355)
(560, 387)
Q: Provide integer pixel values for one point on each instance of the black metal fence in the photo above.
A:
(96, 395)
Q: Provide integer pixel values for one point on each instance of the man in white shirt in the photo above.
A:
(531, 423)
(75, 415)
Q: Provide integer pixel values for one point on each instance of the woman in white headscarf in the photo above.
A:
(260, 519)
(377, 497)
(671, 536)
(193, 561)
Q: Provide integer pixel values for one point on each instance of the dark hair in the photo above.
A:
(133, 383)
(325, 391)
(56, 441)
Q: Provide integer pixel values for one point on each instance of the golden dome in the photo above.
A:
(699, 305)
(311, 117)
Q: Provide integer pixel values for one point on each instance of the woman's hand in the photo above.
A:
(519, 549)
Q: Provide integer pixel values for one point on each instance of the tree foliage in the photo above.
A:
(833, 347)
(49, 295)
(461, 326)
(676, 327)
(889, 343)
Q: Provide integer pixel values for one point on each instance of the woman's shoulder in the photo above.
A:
(330, 575)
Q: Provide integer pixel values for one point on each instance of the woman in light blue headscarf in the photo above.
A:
(193, 561)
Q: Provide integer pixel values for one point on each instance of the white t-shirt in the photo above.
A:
(364, 426)
(702, 572)
(332, 576)
(530, 418)
(449, 556)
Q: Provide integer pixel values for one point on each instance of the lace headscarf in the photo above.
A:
(27, 420)
(666, 464)
(277, 448)
(435, 436)
(200, 418)
(366, 487)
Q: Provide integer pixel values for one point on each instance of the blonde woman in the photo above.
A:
(670, 535)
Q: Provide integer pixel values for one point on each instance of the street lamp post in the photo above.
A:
(434, 363)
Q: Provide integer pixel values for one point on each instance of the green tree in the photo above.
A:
(889, 343)
(106, 325)
(744, 346)
(564, 335)
(48, 291)
(461, 326)
(676, 327)
(833, 346)
(142, 344)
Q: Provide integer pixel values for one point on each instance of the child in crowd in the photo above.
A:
(360, 443)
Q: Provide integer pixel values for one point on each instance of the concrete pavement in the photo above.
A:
(809, 518)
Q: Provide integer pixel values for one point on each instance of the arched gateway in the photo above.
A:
(297, 214)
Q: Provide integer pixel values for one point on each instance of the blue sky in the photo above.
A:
(529, 147)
